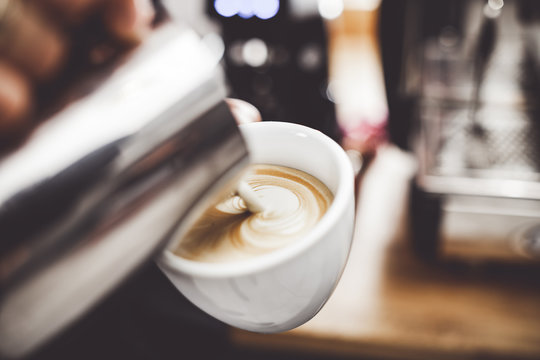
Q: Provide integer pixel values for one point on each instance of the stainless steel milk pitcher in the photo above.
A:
(97, 188)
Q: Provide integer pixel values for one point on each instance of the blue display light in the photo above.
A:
(263, 9)
(246, 9)
(227, 8)
(266, 9)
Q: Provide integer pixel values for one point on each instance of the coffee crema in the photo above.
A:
(294, 202)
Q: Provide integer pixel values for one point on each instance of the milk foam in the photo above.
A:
(293, 203)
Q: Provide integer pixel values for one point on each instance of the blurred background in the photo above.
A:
(441, 99)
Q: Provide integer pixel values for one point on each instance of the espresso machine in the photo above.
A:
(463, 87)
(276, 58)
(131, 149)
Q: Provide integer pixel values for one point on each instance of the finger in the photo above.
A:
(243, 111)
(69, 11)
(129, 20)
(14, 98)
(33, 44)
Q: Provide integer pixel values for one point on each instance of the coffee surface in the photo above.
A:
(293, 200)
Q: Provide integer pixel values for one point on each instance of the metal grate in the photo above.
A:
(507, 143)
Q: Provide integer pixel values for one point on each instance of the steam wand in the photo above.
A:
(484, 49)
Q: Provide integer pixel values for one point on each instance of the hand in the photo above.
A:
(36, 38)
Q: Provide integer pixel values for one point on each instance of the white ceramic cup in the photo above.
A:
(285, 288)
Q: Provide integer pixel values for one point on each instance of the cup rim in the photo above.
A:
(262, 262)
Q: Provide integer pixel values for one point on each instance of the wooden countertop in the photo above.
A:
(389, 304)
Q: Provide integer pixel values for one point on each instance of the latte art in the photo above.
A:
(293, 203)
